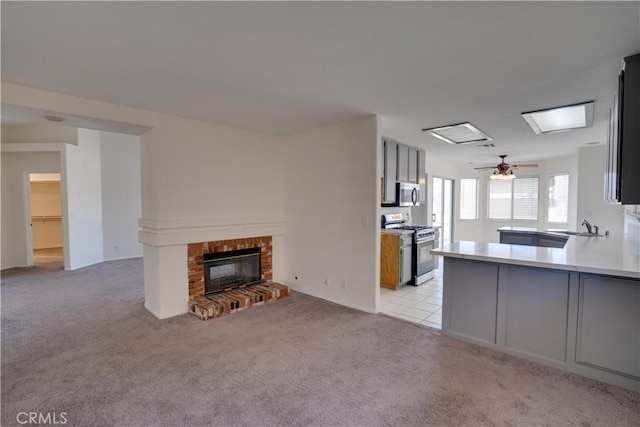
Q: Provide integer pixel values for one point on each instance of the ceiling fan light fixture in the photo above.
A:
(502, 175)
(560, 119)
(457, 134)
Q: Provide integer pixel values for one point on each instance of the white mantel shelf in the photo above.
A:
(170, 232)
(599, 255)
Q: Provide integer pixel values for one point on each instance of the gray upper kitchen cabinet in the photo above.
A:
(422, 178)
(408, 164)
(403, 163)
(390, 154)
(413, 165)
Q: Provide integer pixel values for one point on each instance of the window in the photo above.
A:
(559, 198)
(525, 198)
(515, 199)
(469, 198)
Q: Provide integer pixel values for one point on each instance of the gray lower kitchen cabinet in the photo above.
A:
(532, 239)
(472, 301)
(547, 241)
(535, 312)
(609, 324)
(518, 238)
(584, 323)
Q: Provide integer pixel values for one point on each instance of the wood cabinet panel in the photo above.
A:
(389, 261)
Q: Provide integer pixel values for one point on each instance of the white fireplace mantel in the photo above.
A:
(169, 232)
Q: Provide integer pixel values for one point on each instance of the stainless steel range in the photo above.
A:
(424, 239)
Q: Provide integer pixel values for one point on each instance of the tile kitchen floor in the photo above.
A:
(418, 304)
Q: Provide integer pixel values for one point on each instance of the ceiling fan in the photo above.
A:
(504, 170)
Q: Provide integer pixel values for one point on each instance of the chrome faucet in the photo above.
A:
(586, 223)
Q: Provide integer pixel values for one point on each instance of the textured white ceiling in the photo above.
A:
(291, 66)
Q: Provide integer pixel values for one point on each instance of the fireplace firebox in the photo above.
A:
(231, 269)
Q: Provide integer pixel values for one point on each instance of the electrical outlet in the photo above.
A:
(343, 285)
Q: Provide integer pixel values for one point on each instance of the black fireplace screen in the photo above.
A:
(231, 269)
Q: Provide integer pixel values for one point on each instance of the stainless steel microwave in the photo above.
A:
(407, 194)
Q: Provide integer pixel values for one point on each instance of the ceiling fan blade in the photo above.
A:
(532, 165)
(485, 167)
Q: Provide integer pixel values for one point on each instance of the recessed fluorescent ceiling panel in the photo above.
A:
(560, 119)
(462, 133)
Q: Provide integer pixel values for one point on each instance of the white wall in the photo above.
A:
(15, 167)
(194, 169)
(485, 230)
(82, 178)
(591, 205)
(40, 132)
(121, 195)
(332, 210)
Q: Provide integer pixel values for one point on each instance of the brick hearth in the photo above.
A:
(216, 305)
(228, 302)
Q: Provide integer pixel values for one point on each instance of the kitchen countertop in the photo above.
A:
(613, 256)
(395, 231)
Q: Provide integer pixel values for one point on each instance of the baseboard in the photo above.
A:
(77, 267)
(165, 315)
(123, 258)
(344, 303)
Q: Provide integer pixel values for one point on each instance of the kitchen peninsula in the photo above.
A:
(576, 308)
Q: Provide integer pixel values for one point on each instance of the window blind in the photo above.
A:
(500, 199)
(525, 198)
(515, 199)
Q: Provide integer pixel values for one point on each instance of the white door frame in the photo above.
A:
(59, 147)
(453, 204)
(26, 202)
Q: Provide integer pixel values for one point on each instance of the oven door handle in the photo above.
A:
(414, 196)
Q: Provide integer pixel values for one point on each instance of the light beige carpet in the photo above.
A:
(81, 343)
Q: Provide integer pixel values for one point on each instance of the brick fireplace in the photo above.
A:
(216, 305)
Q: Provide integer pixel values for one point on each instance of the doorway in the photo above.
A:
(45, 217)
(442, 198)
